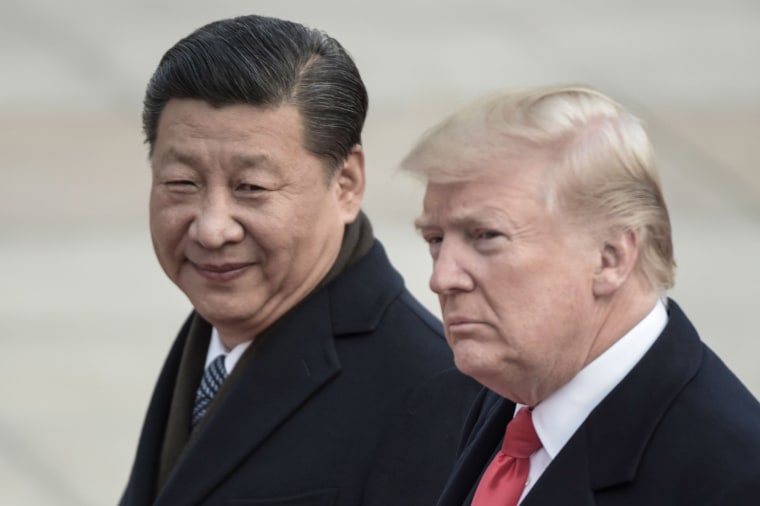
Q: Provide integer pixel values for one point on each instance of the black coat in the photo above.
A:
(351, 400)
(680, 429)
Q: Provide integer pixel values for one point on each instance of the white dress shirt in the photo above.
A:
(558, 416)
(216, 348)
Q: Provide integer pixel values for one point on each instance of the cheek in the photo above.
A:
(314, 227)
(160, 211)
(168, 226)
(164, 225)
(568, 311)
(536, 308)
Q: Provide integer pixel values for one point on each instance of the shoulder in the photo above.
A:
(370, 301)
(406, 312)
(415, 338)
(717, 408)
(713, 414)
(708, 442)
(713, 397)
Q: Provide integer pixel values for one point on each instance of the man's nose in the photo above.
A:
(449, 273)
(215, 223)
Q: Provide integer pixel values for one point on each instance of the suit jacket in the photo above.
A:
(680, 429)
(352, 399)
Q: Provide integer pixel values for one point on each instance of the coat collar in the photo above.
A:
(296, 359)
(361, 294)
(493, 413)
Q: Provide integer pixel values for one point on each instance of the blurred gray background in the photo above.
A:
(87, 316)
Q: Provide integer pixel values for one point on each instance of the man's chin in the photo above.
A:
(470, 363)
(223, 317)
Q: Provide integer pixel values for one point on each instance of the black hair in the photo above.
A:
(266, 62)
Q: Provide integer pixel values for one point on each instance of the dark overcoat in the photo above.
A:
(679, 430)
(352, 399)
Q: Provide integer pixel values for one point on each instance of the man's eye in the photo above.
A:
(487, 234)
(250, 188)
(181, 185)
(433, 239)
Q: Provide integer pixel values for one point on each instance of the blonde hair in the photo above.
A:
(600, 163)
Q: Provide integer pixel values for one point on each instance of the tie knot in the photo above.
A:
(216, 371)
(521, 440)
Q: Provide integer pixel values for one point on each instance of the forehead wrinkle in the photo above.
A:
(197, 160)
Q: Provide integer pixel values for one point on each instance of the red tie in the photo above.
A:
(504, 480)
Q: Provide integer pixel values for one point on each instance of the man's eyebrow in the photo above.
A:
(249, 161)
(172, 155)
(422, 222)
(238, 161)
(457, 219)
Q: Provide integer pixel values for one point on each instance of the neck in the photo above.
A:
(615, 317)
(618, 315)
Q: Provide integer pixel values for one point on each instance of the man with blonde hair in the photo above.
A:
(552, 254)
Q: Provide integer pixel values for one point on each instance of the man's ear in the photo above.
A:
(349, 184)
(617, 261)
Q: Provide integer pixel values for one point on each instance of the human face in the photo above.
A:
(242, 217)
(514, 282)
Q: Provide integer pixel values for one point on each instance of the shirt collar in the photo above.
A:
(558, 417)
(216, 348)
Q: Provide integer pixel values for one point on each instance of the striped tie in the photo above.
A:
(212, 380)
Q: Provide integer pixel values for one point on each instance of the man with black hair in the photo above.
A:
(307, 373)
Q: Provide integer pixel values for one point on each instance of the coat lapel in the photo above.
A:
(493, 413)
(566, 480)
(288, 366)
(142, 485)
(187, 379)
